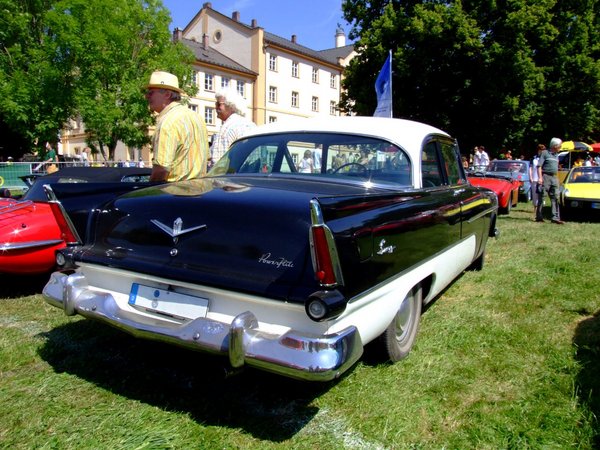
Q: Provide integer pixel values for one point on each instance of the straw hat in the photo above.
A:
(164, 80)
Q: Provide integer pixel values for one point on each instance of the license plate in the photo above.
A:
(168, 302)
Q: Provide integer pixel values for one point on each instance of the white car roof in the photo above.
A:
(407, 134)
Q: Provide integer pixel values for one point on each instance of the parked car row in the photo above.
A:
(29, 232)
(289, 272)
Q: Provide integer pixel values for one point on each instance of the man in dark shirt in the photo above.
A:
(548, 180)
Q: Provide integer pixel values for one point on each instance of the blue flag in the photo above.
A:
(383, 88)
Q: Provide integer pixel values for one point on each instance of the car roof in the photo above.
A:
(407, 134)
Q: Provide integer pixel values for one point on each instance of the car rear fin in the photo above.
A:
(325, 259)
(67, 229)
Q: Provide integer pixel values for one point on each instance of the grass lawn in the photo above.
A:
(508, 357)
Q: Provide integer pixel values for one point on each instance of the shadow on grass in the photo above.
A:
(587, 342)
(267, 406)
(14, 286)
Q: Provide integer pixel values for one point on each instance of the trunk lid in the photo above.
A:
(251, 233)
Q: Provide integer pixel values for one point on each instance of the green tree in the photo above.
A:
(115, 58)
(90, 58)
(493, 73)
(36, 81)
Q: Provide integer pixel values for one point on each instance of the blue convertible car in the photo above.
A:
(287, 271)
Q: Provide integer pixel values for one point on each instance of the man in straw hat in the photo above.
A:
(180, 142)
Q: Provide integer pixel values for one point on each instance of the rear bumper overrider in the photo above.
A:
(294, 354)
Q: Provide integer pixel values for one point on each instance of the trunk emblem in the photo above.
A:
(383, 249)
(177, 229)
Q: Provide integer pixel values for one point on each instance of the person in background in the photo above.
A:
(307, 164)
(481, 159)
(465, 163)
(533, 176)
(180, 142)
(317, 155)
(51, 159)
(548, 179)
(85, 157)
(230, 106)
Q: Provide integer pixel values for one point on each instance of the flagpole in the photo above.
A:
(391, 86)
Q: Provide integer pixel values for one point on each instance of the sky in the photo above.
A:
(312, 21)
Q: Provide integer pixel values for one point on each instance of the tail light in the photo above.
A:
(67, 229)
(322, 259)
(324, 254)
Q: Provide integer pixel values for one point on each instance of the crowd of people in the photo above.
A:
(182, 151)
(543, 173)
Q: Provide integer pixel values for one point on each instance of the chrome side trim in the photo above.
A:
(10, 246)
(15, 206)
(294, 353)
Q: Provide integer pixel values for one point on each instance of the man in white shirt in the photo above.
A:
(230, 108)
(481, 159)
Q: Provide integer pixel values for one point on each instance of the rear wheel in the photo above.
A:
(399, 337)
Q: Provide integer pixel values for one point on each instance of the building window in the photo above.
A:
(315, 75)
(332, 81)
(332, 108)
(217, 36)
(241, 88)
(294, 69)
(272, 119)
(193, 107)
(209, 115)
(209, 82)
(224, 82)
(272, 94)
(294, 99)
(194, 78)
(273, 63)
(315, 104)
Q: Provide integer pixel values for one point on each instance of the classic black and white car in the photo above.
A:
(307, 241)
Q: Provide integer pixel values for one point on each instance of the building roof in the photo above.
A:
(330, 56)
(333, 54)
(211, 56)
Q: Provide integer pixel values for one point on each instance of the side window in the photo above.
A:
(430, 166)
(451, 162)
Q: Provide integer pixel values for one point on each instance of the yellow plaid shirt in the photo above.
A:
(180, 143)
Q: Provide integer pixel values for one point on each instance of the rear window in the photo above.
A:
(318, 155)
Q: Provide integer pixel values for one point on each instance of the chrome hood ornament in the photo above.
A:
(177, 229)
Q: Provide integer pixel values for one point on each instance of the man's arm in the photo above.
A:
(159, 173)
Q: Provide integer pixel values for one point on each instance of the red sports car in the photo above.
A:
(506, 188)
(29, 234)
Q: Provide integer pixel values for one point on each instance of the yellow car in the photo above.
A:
(581, 191)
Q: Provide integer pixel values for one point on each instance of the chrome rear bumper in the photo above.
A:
(293, 354)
